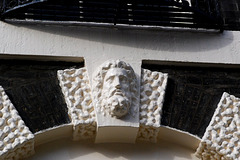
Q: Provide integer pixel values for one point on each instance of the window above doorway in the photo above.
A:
(204, 14)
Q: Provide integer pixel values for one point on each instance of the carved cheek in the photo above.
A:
(106, 85)
(125, 86)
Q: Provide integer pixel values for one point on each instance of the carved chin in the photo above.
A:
(119, 106)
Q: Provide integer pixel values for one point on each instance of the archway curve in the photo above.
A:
(57, 143)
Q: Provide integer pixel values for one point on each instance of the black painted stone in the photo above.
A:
(193, 94)
(33, 88)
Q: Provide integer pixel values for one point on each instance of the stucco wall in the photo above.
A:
(97, 45)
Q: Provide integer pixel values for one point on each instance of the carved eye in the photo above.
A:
(109, 79)
(123, 79)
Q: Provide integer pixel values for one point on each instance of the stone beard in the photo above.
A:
(115, 89)
(116, 95)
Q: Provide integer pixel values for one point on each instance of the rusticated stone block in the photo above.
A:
(76, 89)
(16, 140)
(153, 88)
(222, 138)
(148, 133)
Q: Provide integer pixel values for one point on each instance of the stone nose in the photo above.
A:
(117, 83)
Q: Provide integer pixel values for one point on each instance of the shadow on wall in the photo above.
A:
(164, 40)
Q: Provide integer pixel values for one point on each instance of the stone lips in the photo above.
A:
(16, 140)
(77, 93)
(153, 86)
(221, 139)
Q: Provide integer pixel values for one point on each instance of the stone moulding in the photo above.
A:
(153, 86)
(16, 140)
(77, 93)
(221, 139)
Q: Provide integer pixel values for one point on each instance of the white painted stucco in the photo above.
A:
(97, 45)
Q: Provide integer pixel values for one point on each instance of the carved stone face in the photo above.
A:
(116, 92)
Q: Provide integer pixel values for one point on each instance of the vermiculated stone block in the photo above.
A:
(153, 86)
(222, 137)
(76, 89)
(16, 140)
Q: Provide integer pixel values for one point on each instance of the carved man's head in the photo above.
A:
(115, 86)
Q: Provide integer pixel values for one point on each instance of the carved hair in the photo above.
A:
(98, 80)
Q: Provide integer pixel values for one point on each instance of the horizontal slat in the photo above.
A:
(93, 15)
(131, 12)
(137, 21)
